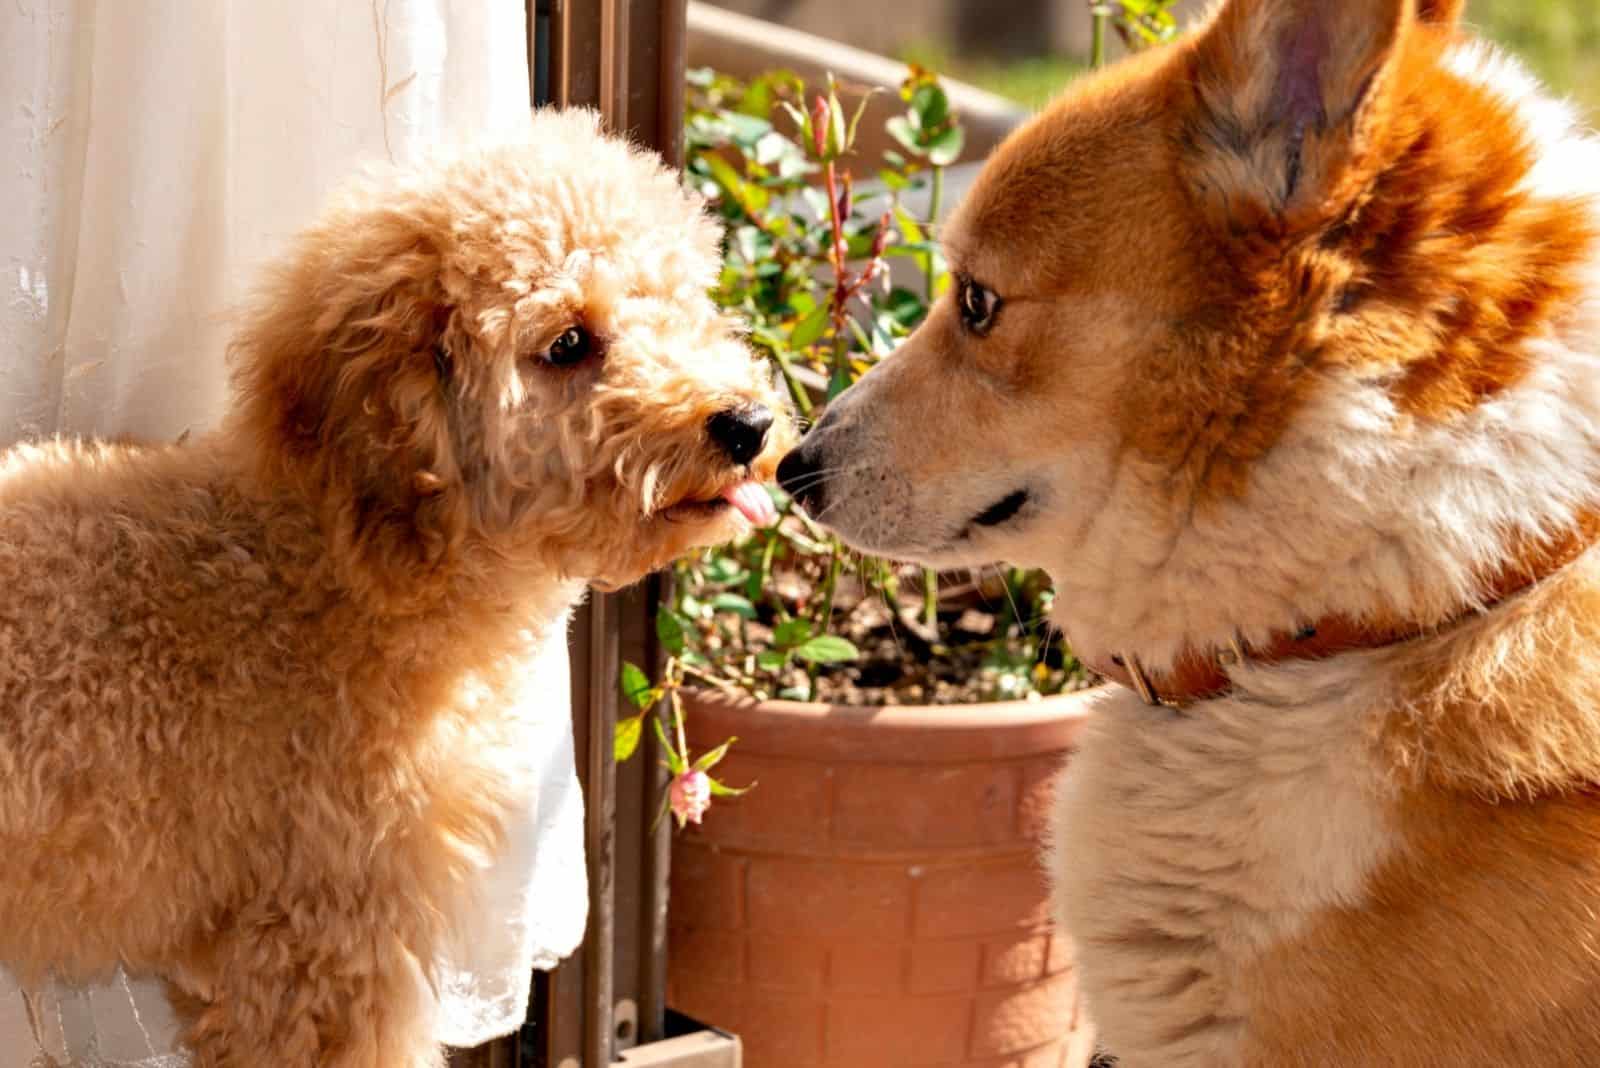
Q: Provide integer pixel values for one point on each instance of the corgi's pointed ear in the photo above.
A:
(1290, 95)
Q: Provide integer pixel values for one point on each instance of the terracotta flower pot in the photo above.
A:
(878, 901)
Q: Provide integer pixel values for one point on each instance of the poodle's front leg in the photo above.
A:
(312, 991)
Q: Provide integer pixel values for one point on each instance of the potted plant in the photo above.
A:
(879, 899)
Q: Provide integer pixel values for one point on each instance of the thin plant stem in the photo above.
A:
(1016, 579)
(1100, 13)
(767, 552)
(930, 577)
(797, 389)
(825, 619)
(677, 723)
(839, 308)
(935, 202)
(710, 679)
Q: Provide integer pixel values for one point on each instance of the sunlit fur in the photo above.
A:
(259, 718)
(1301, 316)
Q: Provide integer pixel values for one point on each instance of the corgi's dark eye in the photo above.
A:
(979, 306)
(573, 346)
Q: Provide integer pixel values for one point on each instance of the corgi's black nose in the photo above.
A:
(741, 433)
(801, 477)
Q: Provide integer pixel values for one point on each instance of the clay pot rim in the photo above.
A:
(896, 734)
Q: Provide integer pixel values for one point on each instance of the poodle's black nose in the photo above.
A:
(801, 478)
(741, 432)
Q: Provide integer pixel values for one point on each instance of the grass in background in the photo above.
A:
(1030, 82)
(1559, 39)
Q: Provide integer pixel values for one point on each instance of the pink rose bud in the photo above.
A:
(819, 124)
(690, 796)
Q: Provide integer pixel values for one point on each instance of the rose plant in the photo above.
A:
(831, 271)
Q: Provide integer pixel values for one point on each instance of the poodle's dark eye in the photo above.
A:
(979, 306)
(573, 346)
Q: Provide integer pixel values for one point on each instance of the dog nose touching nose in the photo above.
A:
(801, 478)
(741, 433)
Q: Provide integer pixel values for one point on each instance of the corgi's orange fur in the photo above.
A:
(1297, 318)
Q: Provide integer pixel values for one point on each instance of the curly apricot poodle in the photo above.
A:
(258, 691)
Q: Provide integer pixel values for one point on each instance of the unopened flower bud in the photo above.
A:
(690, 796)
(819, 124)
(880, 240)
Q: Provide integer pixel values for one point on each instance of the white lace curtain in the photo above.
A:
(155, 152)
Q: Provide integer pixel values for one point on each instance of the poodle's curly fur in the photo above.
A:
(257, 692)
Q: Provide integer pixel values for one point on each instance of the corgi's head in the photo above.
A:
(1298, 315)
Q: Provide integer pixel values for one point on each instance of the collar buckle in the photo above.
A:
(1141, 683)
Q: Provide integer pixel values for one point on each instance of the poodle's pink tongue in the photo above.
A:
(752, 502)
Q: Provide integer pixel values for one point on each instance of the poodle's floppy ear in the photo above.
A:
(342, 378)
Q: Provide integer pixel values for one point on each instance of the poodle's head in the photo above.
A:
(511, 355)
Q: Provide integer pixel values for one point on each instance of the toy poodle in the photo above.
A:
(258, 715)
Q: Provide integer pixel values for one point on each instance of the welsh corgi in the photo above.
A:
(1279, 348)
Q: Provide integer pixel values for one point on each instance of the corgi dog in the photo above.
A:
(1279, 348)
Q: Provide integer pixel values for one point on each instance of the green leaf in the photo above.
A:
(837, 145)
(772, 147)
(794, 165)
(945, 148)
(905, 307)
(625, 742)
(809, 329)
(636, 687)
(930, 105)
(669, 755)
(859, 242)
(861, 109)
(719, 789)
(711, 759)
(909, 226)
(791, 633)
(802, 121)
(771, 660)
(723, 570)
(669, 629)
(827, 649)
(724, 174)
(838, 382)
(749, 197)
(901, 130)
(732, 602)
(747, 130)
(866, 345)
(817, 201)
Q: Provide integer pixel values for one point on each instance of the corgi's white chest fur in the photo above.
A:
(1190, 844)
(1187, 843)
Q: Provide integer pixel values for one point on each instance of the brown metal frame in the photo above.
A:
(624, 58)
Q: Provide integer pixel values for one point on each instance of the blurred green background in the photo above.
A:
(1559, 39)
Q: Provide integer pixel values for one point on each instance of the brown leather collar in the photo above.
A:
(1196, 676)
